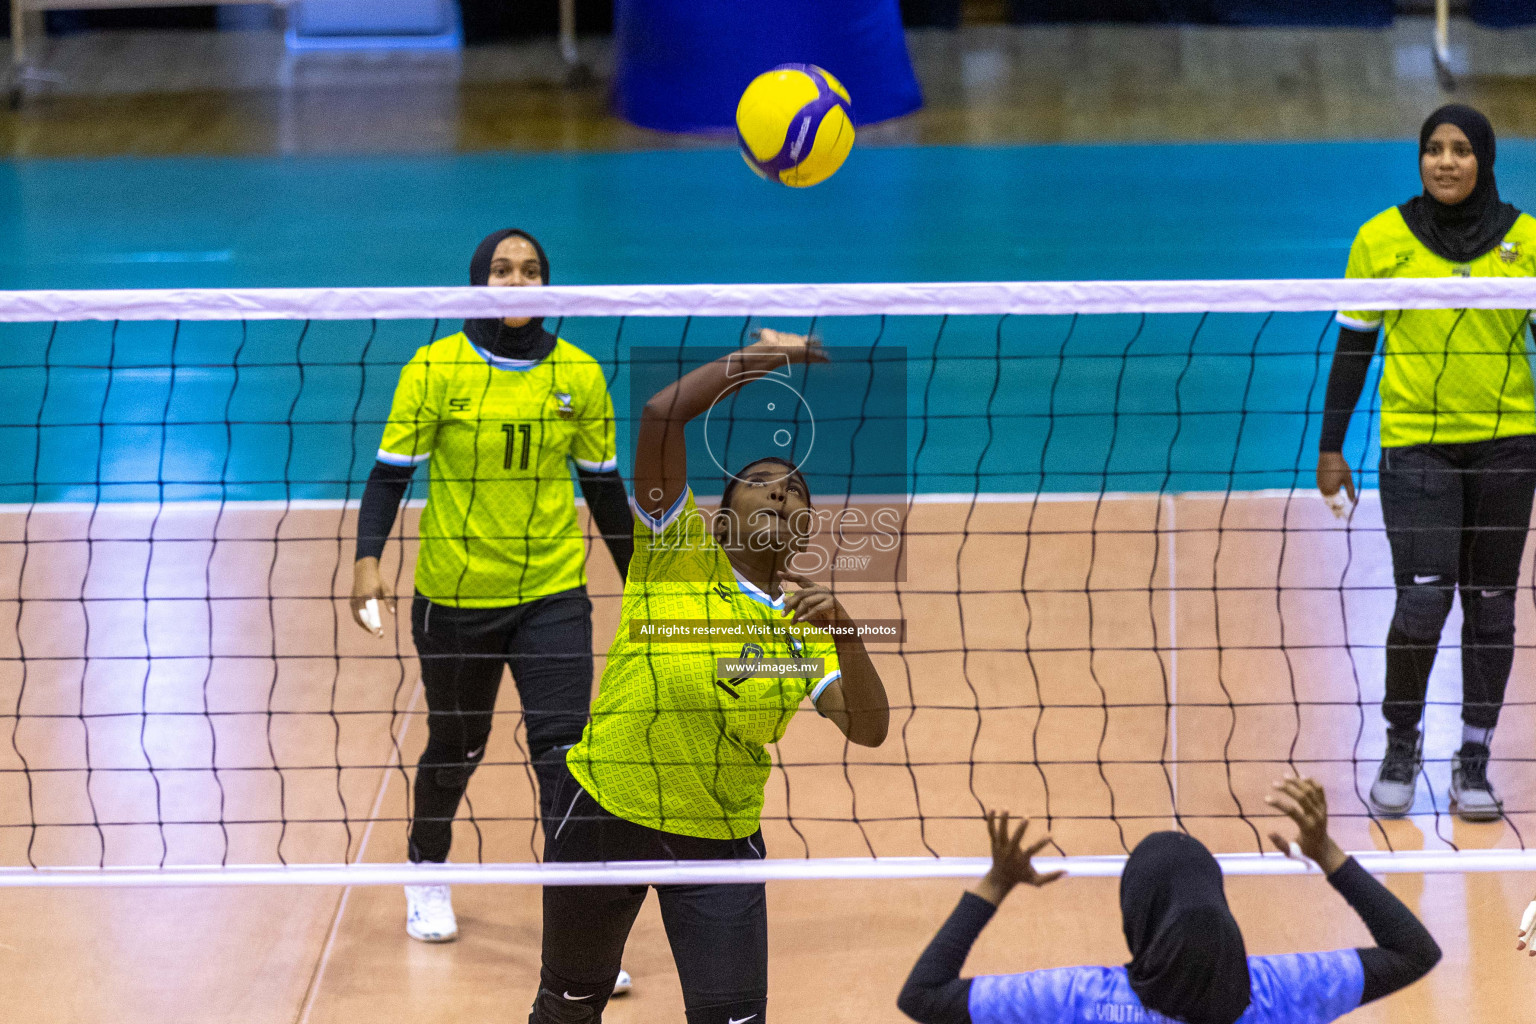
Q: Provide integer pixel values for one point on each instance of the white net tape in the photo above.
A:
(666, 872)
(673, 300)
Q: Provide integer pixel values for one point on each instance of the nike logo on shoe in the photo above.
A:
(1427, 579)
(742, 1020)
(473, 754)
(577, 999)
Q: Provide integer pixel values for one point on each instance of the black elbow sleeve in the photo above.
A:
(945, 1004)
(608, 505)
(915, 1003)
(1405, 949)
(380, 504)
(1346, 381)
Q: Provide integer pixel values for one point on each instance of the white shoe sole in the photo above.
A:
(1476, 815)
(1390, 810)
(431, 936)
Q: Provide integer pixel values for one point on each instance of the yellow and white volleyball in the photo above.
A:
(795, 125)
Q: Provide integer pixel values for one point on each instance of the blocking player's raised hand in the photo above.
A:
(1012, 861)
(1306, 803)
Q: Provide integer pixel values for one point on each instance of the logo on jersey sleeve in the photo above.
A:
(1509, 252)
(458, 405)
(564, 411)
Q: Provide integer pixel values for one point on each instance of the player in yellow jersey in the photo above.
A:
(497, 410)
(672, 764)
(1458, 448)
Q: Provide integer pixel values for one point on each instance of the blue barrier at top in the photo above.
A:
(1503, 13)
(682, 64)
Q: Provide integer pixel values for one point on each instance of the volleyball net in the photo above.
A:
(1083, 514)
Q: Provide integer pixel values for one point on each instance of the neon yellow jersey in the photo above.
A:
(500, 524)
(1450, 376)
(669, 746)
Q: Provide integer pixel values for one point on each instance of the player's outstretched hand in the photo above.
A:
(1305, 803)
(369, 594)
(797, 348)
(1526, 939)
(1333, 474)
(1012, 861)
(812, 603)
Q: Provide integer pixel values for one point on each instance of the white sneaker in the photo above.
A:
(624, 983)
(429, 914)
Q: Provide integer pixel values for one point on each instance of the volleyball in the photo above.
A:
(795, 125)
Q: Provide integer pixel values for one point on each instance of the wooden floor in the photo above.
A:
(166, 93)
(1129, 605)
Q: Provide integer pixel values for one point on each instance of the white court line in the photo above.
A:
(341, 905)
(1173, 654)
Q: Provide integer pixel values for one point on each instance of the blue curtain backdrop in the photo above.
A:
(682, 64)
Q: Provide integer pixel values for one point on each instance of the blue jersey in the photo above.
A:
(1299, 988)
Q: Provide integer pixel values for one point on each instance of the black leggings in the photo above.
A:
(718, 933)
(1456, 518)
(548, 645)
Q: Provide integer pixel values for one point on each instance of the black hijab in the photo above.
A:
(531, 341)
(1478, 223)
(1188, 961)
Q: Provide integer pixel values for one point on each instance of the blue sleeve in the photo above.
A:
(1307, 988)
(1038, 997)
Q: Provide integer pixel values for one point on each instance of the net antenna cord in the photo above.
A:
(705, 872)
(577, 74)
(1441, 50)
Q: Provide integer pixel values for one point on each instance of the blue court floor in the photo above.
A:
(277, 411)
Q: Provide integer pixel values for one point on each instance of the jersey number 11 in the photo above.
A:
(514, 431)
